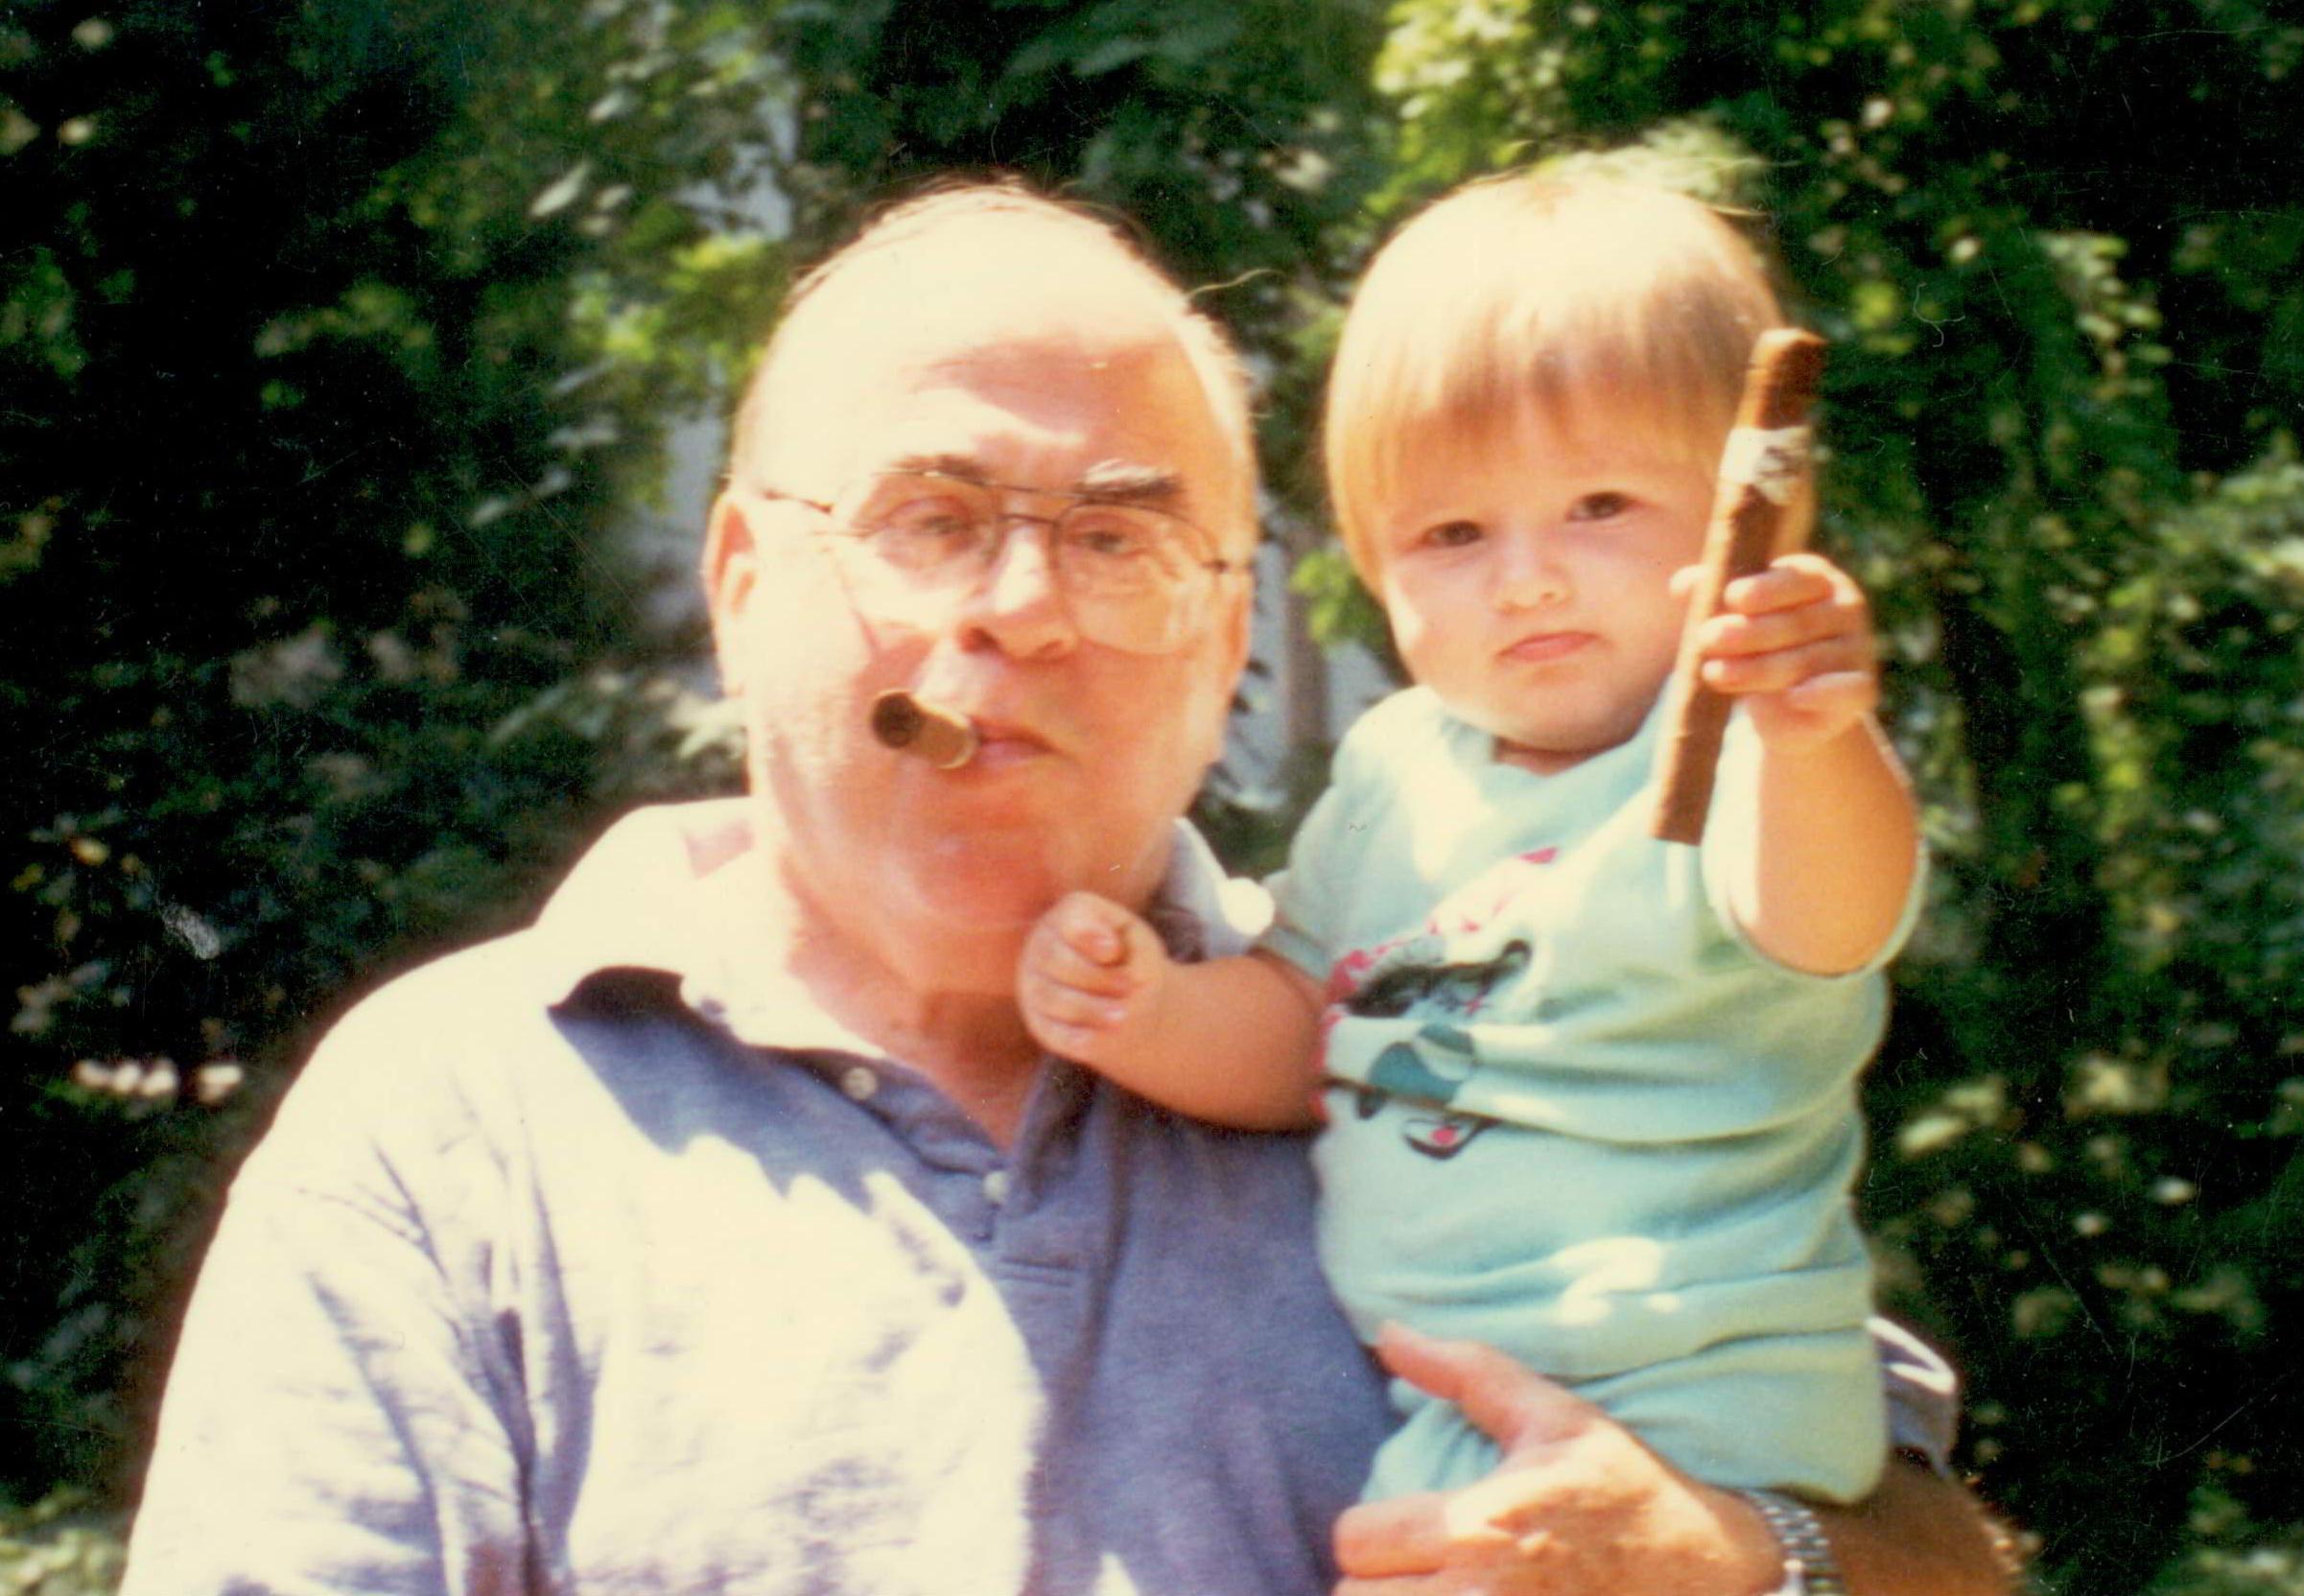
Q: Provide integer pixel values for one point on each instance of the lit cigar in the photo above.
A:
(944, 738)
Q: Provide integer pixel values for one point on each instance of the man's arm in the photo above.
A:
(334, 1422)
(1577, 1507)
(1917, 1533)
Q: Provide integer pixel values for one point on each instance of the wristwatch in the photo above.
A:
(1809, 1566)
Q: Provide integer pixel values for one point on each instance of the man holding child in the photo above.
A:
(728, 1230)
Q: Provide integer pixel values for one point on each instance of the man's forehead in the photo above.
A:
(970, 338)
(970, 387)
(905, 411)
(995, 276)
(994, 336)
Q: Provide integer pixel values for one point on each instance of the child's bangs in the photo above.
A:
(1672, 371)
(1668, 372)
(1598, 304)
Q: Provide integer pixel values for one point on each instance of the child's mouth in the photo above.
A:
(1543, 647)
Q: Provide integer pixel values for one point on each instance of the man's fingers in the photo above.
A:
(1430, 1542)
(1409, 1585)
(1513, 1406)
(1407, 1535)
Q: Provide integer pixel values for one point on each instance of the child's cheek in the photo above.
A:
(1414, 604)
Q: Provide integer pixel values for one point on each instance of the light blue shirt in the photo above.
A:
(1578, 1115)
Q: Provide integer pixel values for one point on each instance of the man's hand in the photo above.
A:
(1578, 1508)
(1577, 1504)
(1795, 642)
(1090, 979)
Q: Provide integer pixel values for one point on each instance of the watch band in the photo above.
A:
(1809, 1568)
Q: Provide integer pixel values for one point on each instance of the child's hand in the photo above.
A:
(1090, 978)
(1795, 643)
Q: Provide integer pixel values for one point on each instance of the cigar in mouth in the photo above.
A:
(943, 738)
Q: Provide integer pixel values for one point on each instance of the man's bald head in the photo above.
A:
(972, 263)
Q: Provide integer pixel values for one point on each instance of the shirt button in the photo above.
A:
(859, 1081)
(995, 1188)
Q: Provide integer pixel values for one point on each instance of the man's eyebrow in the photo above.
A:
(1112, 482)
(966, 467)
(1125, 482)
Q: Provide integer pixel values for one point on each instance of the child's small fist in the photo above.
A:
(1089, 976)
(1795, 643)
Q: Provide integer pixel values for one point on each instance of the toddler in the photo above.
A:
(1588, 1097)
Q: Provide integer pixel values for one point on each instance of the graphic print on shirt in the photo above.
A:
(1444, 975)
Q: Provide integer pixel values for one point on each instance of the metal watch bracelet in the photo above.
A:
(1809, 1566)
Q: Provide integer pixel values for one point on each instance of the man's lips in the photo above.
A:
(1004, 741)
(1544, 647)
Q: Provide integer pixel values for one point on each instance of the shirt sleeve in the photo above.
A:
(334, 1422)
(1303, 896)
(1311, 897)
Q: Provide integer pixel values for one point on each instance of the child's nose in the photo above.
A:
(1530, 573)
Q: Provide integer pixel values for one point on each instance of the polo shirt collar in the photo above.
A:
(677, 888)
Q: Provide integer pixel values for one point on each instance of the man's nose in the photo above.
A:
(1529, 571)
(1017, 603)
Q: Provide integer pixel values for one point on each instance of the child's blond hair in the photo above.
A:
(1554, 292)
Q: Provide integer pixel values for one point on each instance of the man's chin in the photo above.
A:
(972, 886)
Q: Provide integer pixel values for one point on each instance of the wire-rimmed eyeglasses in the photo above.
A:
(1133, 577)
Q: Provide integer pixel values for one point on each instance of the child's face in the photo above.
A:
(1526, 567)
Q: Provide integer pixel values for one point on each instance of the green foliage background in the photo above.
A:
(339, 339)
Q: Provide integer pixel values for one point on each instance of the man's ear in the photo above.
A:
(1235, 627)
(730, 581)
(1241, 636)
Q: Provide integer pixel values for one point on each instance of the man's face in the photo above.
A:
(1088, 752)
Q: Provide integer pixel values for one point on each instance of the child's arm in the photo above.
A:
(1235, 1041)
(1821, 883)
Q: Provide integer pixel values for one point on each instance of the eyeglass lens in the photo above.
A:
(1131, 576)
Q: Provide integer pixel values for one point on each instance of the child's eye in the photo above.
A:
(1605, 505)
(1451, 534)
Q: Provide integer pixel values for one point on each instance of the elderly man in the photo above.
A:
(726, 1232)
